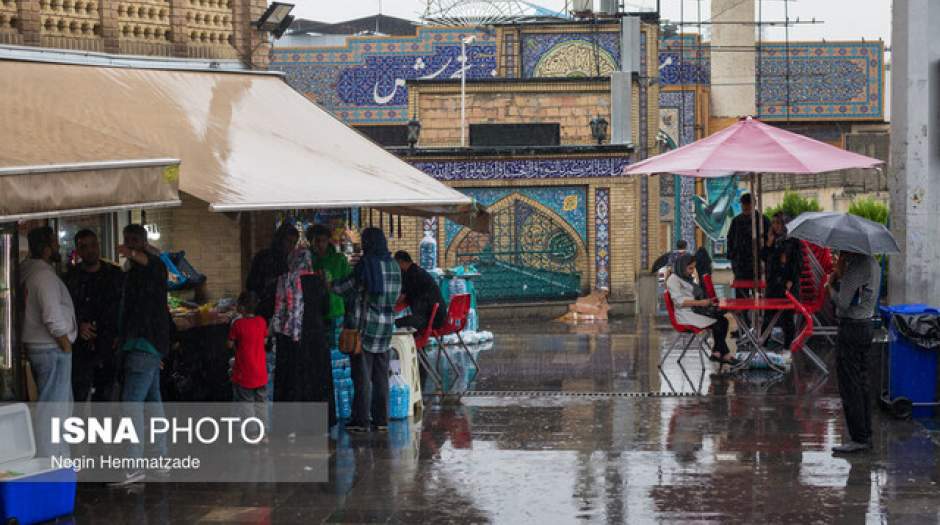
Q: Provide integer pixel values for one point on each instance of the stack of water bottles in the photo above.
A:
(399, 395)
(342, 383)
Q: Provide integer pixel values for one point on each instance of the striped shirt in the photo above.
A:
(855, 295)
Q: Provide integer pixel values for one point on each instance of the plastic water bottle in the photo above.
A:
(458, 286)
(349, 388)
(343, 401)
(399, 397)
(427, 251)
(473, 324)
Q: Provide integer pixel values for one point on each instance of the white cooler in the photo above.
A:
(34, 493)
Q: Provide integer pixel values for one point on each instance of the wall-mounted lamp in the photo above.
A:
(414, 132)
(599, 129)
(276, 19)
(153, 232)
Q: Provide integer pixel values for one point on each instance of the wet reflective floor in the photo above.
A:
(566, 425)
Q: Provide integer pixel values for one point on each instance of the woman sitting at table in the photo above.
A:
(693, 308)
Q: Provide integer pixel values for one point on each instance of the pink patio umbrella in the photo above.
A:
(752, 146)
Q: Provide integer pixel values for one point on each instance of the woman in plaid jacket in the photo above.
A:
(370, 293)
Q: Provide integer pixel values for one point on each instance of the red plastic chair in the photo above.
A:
(709, 286)
(457, 314)
(817, 266)
(421, 342)
(799, 344)
(689, 334)
(422, 337)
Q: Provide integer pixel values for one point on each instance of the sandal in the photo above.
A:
(715, 358)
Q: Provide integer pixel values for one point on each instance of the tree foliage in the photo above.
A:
(793, 205)
(871, 209)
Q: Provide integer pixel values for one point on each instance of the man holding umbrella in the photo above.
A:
(853, 288)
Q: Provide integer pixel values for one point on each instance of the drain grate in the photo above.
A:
(581, 395)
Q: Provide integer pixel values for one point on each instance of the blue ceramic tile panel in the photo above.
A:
(568, 202)
(535, 46)
(364, 81)
(602, 237)
(681, 62)
(828, 81)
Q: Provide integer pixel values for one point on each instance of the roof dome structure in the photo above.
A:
(487, 12)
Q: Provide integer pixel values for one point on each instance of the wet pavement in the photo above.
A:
(566, 425)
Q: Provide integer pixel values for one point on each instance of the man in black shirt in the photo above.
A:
(95, 287)
(740, 242)
(144, 335)
(421, 292)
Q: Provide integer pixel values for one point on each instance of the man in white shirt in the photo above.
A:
(49, 328)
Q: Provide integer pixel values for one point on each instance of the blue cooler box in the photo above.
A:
(30, 492)
(912, 369)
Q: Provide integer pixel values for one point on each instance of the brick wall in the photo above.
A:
(572, 111)
(212, 242)
(572, 105)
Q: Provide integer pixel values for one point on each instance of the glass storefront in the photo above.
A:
(103, 225)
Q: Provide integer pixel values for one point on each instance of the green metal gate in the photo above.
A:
(527, 255)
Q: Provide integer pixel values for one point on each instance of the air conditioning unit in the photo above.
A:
(610, 7)
(583, 6)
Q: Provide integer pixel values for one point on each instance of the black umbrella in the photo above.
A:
(843, 232)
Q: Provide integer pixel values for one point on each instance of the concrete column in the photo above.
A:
(29, 21)
(621, 82)
(914, 180)
(110, 31)
(733, 69)
(179, 36)
(621, 104)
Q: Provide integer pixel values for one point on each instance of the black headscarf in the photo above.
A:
(681, 266)
(374, 251)
(784, 218)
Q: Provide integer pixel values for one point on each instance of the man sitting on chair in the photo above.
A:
(421, 294)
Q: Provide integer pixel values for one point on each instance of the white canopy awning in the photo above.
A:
(58, 190)
(246, 141)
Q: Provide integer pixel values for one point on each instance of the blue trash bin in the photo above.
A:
(912, 370)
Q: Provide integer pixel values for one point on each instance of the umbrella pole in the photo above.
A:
(759, 231)
(758, 238)
(754, 221)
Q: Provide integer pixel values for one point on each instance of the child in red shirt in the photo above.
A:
(250, 373)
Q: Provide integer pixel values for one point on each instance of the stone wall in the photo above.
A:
(179, 28)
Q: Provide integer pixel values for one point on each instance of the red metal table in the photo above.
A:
(747, 284)
(758, 337)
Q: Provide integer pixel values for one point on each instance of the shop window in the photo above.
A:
(496, 135)
(102, 225)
